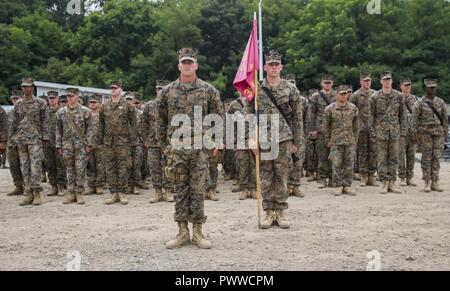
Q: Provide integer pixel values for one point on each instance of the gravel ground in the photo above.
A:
(410, 231)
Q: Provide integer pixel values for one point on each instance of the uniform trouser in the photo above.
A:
(75, 160)
(156, 167)
(213, 162)
(367, 154)
(145, 168)
(432, 147)
(54, 164)
(387, 156)
(323, 153)
(274, 178)
(190, 175)
(407, 158)
(31, 160)
(96, 175)
(117, 160)
(246, 169)
(14, 165)
(311, 156)
(295, 169)
(136, 165)
(342, 161)
(230, 167)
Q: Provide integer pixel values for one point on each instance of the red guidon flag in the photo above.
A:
(244, 81)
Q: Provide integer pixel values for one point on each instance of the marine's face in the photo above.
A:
(366, 84)
(327, 85)
(273, 70)
(187, 68)
(53, 101)
(386, 83)
(27, 90)
(406, 88)
(342, 96)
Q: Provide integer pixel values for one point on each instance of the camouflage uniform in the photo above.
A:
(245, 163)
(54, 163)
(407, 152)
(29, 127)
(275, 173)
(12, 153)
(115, 135)
(96, 175)
(431, 133)
(387, 123)
(310, 149)
(189, 166)
(137, 155)
(341, 129)
(3, 134)
(316, 107)
(366, 151)
(230, 165)
(72, 137)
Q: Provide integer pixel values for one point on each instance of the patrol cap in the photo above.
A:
(187, 54)
(430, 83)
(386, 75)
(273, 57)
(95, 97)
(52, 94)
(27, 82)
(327, 78)
(63, 98)
(342, 89)
(72, 91)
(365, 76)
(16, 94)
(116, 83)
(405, 82)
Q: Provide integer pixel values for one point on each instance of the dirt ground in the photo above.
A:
(409, 231)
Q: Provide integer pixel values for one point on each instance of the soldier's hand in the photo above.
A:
(294, 149)
(88, 149)
(60, 152)
(2, 146)
(373, 140)
(253, 146)
(146, 145)
(314, 134)
(214, 153)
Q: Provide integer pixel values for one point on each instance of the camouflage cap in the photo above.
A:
(72, 91)
(138, 97)
(52, 93)
(386, 75)
(161, 83)
(349, 88)
(27, 82)
(365, 76)
(129, 96)
(16, 93)
(312, 91)
(187, 53)
(63, 98)
(96, 97)
(116, 83)
(406, 82)
(327, 78)
(430, 83)
(273, 57)
(342, 88)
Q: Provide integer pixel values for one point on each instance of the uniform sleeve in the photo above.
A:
(45, 123)
(162, 119)
(402, 117)
(101, 126)
(90, 130)
(326, 123)
(445, 120)
(311, 115)
(297, 117)
(216, 107)
(356, 125)
(132, 123)
(372, 114)
(146, 124)
(59, 130)
(14, 123)
(3, 126)
(416, 111)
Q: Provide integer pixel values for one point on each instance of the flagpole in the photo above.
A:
(261, 70)
(257, 159)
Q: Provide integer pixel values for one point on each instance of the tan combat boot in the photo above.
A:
(297, 192)
(403, 182)
(182, 237)
(372, 180)
(427, 187)
(99, 190)
(114, 199)
(90, 191)
(322, 183)
(282, 222)
(54, 191)
(131, 190)
(212, 195)
(17, 191)
(79, 197)
(122, 198)
(142, 186)
(393, 188)
(158, 196)
(244, 195)
(364, 180)
(69, 198)
(60, 190)
(436, 187)
(384, 188)
(349, 191)
(37, 198)
(312, 178)
(411, 182)
(27, 200)
(43, 178)
(356, 176)
(268, 221)
(168, 196)
(339, 191)
(236, 189)
(198, 239)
